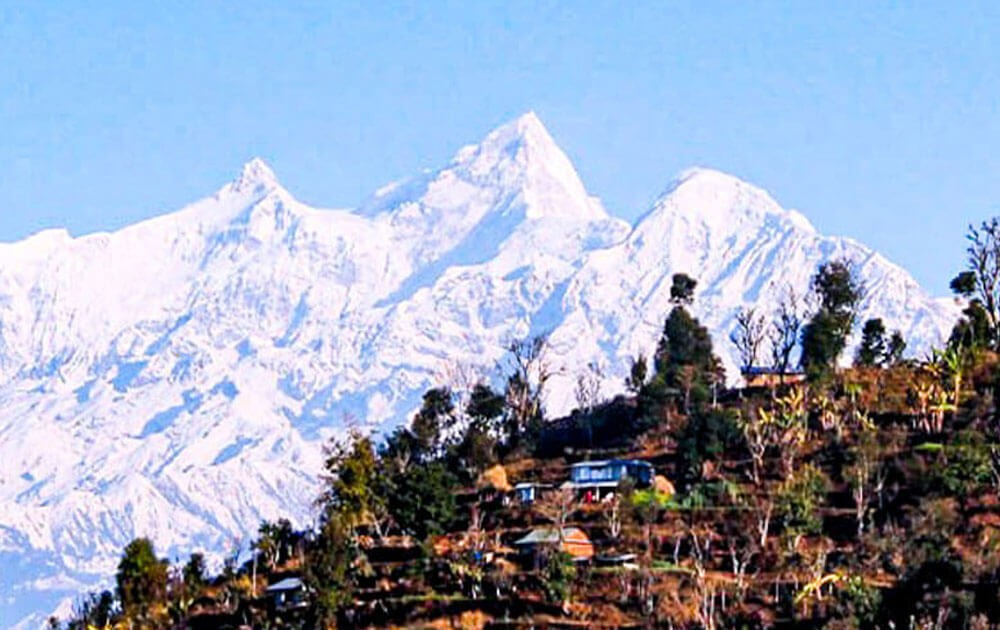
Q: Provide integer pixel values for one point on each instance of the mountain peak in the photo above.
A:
(254, 176)
(522, 155)
(526, 133)
(714, 198)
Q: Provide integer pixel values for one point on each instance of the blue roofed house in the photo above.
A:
(601, 478)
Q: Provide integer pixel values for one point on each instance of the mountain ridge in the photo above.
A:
(178, 377)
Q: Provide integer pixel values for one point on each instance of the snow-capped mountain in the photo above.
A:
(178, 378)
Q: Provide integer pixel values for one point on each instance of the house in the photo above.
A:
(771, 377)
(603, 476)
(575, 542)
(289, 594)
(528, 492)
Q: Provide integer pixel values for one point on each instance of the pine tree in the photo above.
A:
(872, 351)
(141, 578)
(824, 338)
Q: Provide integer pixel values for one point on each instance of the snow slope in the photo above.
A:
(179, 377)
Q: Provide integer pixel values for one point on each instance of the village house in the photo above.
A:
(529, 492)
(600, 479)
(288, 595)
(574, 541)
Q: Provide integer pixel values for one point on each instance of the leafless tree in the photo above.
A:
(588, 387)
(984, 262)
(529, 369)
(865, 476)
(557, 507)
(785, 327)
(749, 336)
(612, 513)
(588, 396)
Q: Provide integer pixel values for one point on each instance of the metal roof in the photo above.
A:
(287, 584)
(599, 463)
(550, 535)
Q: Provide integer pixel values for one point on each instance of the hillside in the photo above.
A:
(178, 378)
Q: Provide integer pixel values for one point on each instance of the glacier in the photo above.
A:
(179, 378)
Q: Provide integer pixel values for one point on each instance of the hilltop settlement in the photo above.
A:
(812, 495)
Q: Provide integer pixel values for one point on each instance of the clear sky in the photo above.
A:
(877, 120)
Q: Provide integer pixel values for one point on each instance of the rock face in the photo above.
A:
(178, 378)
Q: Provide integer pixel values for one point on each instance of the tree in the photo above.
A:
(330, 570)
(798, 500)
(974, 329)
(352, 493)
(638, 372)
(894, 351)
(704, 438)
(422, 500)
(529, 370)
(93, 611)
(684, 360)
(964, 284)
(839, 293)
(432, 422)
(275, 542)
(557, 506)
(872, 351)
(784, 335)
(748, 337)
(141, 578)
(682, 289)
(588, 396)
(477, 446)
(865, 475)
(194, 573)
(984, 264)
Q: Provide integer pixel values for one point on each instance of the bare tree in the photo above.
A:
(748, 337)
(785, 327)
(867, 475)
(756, 428)
(588, 396)
(984, 262)
(588, 387)
(557, 507)
(612, 513)
(528, 371)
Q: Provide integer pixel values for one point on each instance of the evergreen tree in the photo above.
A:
(638, 373)
(194, 573)
(476, 450)
(682, 289)
(894, 351)
(973, 330)
(352, 474)
(872, 351)
(684, 362)
(824, 337)
(435, 418)
(330, 569)
(141, 578)
(422, 500)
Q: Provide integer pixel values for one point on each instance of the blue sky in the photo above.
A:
(877, 120)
